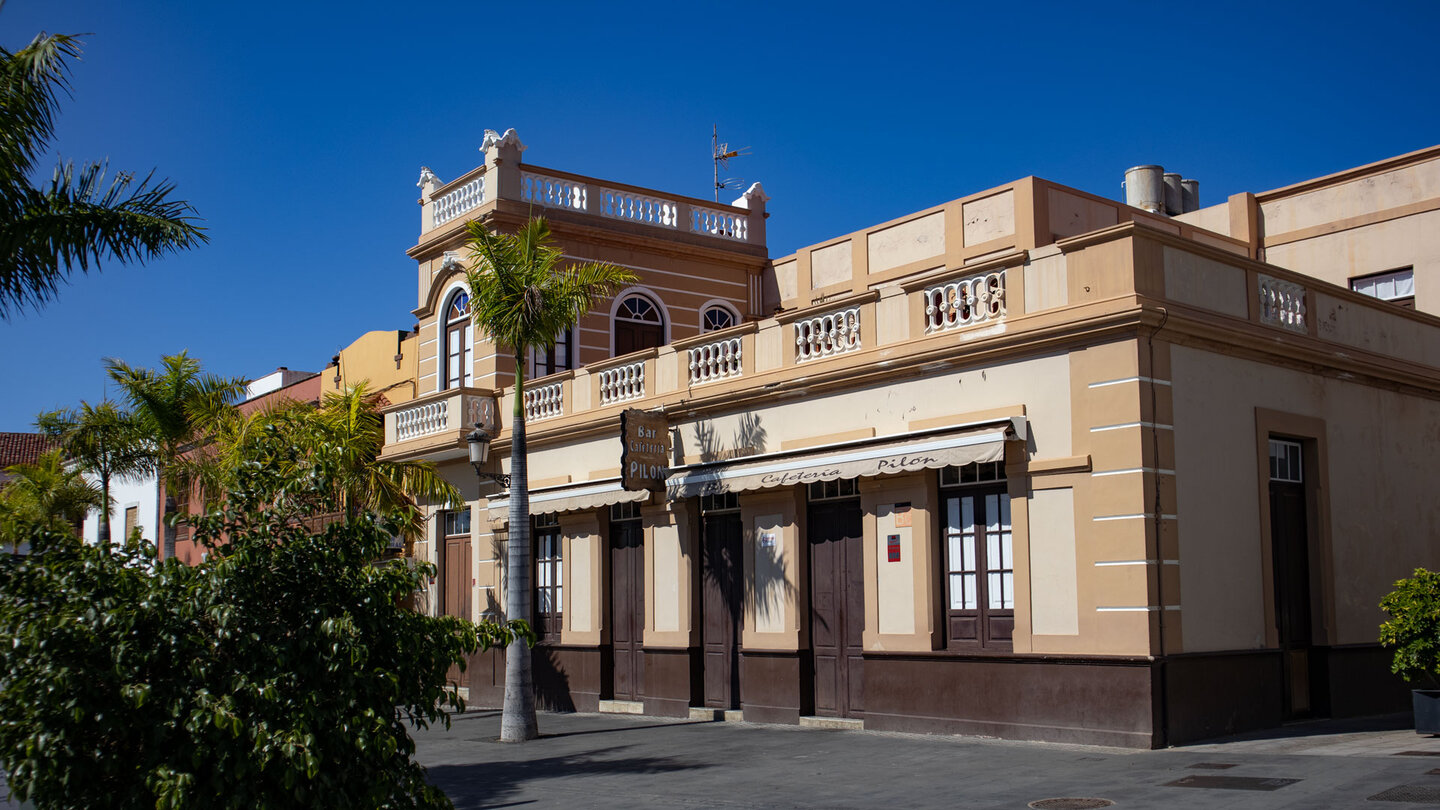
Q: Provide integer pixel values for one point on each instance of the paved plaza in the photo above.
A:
(615, 761)
(605, 761)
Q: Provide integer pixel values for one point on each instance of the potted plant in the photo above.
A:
(1413, 632)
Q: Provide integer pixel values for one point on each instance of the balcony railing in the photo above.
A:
(544, 401)
(622, 383)
(444, 415)
(965, 302)
(1282, 304)
(458, 202)
(504, 177)
(827, 335)
(718, 360)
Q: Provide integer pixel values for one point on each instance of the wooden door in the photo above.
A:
(633, 337)
(837, 607)
(722, 581)
(627, 608)
(1291, 562)
(455, 577)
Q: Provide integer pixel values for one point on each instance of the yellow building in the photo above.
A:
(1032, 463)
(385, 360)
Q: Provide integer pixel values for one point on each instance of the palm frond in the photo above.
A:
(81, 217)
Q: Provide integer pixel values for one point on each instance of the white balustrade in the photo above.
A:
(1282, 303)
(965, 302)
(455, 203)
(422, 420)
(719, 223)
(553, 192)
(544, 402)
(622, 383)
(715, 361)
(827, 335)
(632, 207)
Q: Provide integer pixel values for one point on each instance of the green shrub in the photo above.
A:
(279, 673)
(1413, 631)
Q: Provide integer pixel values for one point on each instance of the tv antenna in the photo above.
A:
(721, 152)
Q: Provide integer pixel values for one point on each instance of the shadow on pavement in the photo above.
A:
(494, 784)
(1318, 728)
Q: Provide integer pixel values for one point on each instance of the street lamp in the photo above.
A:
(479, 442)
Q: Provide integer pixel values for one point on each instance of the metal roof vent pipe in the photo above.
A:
(1190, 195)
(1145, 188)
(1174, 195)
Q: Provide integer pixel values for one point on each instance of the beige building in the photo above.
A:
(1032, 463)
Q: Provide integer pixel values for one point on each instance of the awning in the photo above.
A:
(570, 498)
(968, 445)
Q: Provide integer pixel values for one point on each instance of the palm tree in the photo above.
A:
(344, 436)
(522, 297)
(45, 494)
(177, 406)
(49, 230)
(102, 440)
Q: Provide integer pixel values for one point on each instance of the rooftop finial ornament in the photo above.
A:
(493, 138)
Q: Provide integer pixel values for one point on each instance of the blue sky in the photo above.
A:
(298, 130)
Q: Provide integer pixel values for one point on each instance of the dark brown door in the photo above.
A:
(627, 608)
(632, 337)
(1291, 561)
(722, 575)
(456, 579)
(837, 607)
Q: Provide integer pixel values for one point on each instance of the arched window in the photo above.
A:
(715, 318)
(459, 344)
(638, 325)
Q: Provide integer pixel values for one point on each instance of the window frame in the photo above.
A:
(1406, 301)
(716, 306)
(549, 358)
(658, 329)
(464, 354)
(987, 489)
(549, 619)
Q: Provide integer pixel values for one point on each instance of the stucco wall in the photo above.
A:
(1380, 519)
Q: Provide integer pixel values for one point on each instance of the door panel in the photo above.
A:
(627, 608)
(1291, 563)
(455, 579)
(722, 578)
(837, 607)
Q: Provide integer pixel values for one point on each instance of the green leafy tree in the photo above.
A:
(102, 440)
(346, 433)
(177, 407)
(1413, 631)
(78, 218)
(523, 298)
(281, 672)
(47, 494)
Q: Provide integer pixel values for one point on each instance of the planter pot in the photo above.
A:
(1427, 710)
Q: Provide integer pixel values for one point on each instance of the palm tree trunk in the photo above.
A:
(103, 532)
(517, 721)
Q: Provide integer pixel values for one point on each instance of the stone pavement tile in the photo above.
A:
(606, 761)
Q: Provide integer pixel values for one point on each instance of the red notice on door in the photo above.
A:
(892, 546)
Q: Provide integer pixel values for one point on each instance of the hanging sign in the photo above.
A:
(645, 453)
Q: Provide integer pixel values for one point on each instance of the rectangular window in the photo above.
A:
(625, 511)
(555, 359)
(1395, 286)
(1286, 463)
(723, 502)
(457, 523)
(549, 574)
(833, 490)
(979, 557)
(132, 519)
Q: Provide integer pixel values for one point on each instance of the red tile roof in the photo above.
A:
(22, 448)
